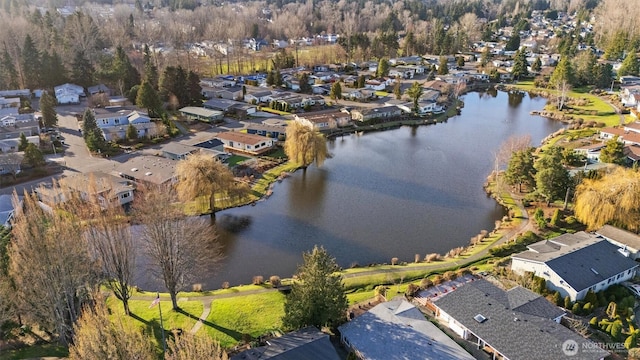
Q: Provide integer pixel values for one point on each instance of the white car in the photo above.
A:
(634, 288)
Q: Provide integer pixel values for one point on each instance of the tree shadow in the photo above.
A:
(232, 333)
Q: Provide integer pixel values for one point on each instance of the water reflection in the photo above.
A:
(387, 194)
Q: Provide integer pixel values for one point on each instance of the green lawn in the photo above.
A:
(233, 160)
(35, 351)
(149, 319)
(234, 318)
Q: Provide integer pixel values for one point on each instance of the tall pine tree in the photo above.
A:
(48, 110)
(31, 64)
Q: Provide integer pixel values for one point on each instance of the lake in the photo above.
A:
(411, 190)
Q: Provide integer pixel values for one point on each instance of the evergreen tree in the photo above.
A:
(383, 68)
(195, 90)
(537, 65)
(305, 87)
(443, 68)
(174, 82)
(122, 72)
(31, 64)
(149, 99)
(520, 170)
(23, 143)
(33, 156)
(519, 68)
(552, 179)
(630, 65)
(132, 132)
(513, 43)
(585, 64)
(486, 57)
(271, 78)
(336, 91)
(8, 73)
(317, 298)
(615, 46)
(92, 133)
(613, 152)
(415, 92)
(82, 71)
(397, 90)
(53, 70)
(361, 82)
(150, 69)
(48, 110)
(278, 78)
(603, 76)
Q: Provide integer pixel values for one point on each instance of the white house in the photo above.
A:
(113, 121)
(244, 143)
(573, 264)
(68, 93)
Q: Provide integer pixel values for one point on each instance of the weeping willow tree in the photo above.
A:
(305, 145)
(612, 199)
(203, 175)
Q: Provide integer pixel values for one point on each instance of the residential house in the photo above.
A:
(23, 93)
(7, 209)
(628, 79)
(272, 131)
(622, 238)
(632, 152)
(415, 69)
(324, 120)
(625, 136)
(321, 89)
(11, 162)
(385, 112)
(591, 152)
(10, 103)
(512, 324)
(230, 106)
(114, 121)
(308, 344)
(573, 264)
(106, 187)
(202, 114)
(403, 73)
(247, 144)
(148, 170)
(68, 93)
(312, 100)
(99, 89)
(398, 330)
(231, 92)
(219, 81)
(375, 85)
(257, 96)
(430, 95)
(12, 126)
(429, 107)
(437, 85)
(178, 151)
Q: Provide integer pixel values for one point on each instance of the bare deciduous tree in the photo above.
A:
(50, 264)
(187, 346)
(109, 237)
(99, 337)
(177, 245)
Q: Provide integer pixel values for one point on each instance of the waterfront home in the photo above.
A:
(106, 188)
(591, 152)
(308, 344)
(398, 330)
(385, 112)
(627, 137)
(573, 264)
(511, 324)
(277, 132)
(245, 144)
(148, 170)
(324, 120)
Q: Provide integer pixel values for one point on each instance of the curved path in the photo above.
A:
(524, 225)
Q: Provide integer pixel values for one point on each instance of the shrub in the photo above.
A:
(576, 308)
(438, 279)
(412, 289)
(416, 258)
(432, 257)
(380, 290)
(555, 219)
(630, 342)
(557, 298)
(394, 261)
(616, 329)
(426, 283)
(225, 285)
(567, 302)
(586, 309)
(275, 281)
(449, 275)
(196, 287)
(593, 322)
(257, 280)
(538, 216)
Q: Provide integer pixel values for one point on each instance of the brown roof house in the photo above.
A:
(243, 143)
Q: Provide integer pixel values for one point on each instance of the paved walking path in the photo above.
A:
(524, 225)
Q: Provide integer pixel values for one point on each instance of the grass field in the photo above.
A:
(35, 352)
(595, 110)
(236, 318)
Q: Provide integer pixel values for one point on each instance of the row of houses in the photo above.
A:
(628, 134)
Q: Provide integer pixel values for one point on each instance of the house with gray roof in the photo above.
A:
(305, 344)
(573, 264)
(622, 238)
(398, 330)
(512, 324)
(150, 170)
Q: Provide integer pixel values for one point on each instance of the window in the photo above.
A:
(117, 121)
(105, 121)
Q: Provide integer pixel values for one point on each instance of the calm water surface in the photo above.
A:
(386, 194)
